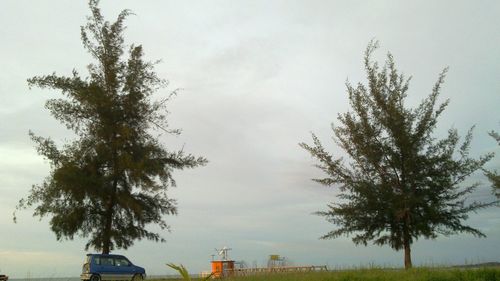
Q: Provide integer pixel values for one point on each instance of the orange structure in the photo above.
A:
(222, 268)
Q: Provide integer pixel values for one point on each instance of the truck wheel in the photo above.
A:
(137, 277)
(95, 277)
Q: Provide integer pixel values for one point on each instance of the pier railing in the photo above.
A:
(281, 269)
(265, 270)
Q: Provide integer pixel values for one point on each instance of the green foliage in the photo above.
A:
(401, 183)
(494, 176)
(376, 274)
(111, 181)
(184, 273)
(420, 274)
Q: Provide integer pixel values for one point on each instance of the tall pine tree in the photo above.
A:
(400, 183)
(111, 181)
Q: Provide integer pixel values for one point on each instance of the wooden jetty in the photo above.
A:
(281, 269)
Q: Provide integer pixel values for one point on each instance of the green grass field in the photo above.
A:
(420, 274)
(417, 274)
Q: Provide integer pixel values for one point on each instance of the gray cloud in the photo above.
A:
(257, 78)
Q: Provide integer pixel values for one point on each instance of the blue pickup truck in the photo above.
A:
(100, 267)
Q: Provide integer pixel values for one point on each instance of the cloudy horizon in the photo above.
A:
(256, 79)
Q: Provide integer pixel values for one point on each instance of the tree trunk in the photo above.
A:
(106, 241)
(407, 249)
(407, 238)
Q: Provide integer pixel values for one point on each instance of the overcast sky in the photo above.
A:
(257, 78)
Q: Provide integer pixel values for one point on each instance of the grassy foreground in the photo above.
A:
(417, 274)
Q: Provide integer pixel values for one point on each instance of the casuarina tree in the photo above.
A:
(398, 182)
(494, 176)
(111, 181)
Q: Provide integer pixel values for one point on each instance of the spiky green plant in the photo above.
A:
(184, 273)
